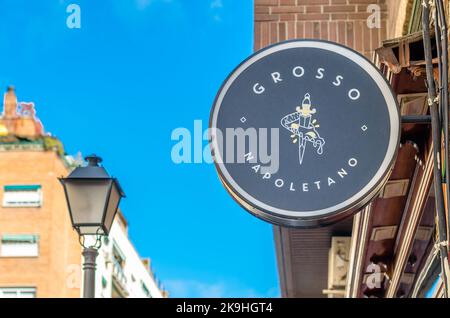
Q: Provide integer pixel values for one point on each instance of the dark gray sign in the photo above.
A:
(304, 133)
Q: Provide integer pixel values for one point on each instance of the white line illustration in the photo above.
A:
(304, 128)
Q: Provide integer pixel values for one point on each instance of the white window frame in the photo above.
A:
(19, 292)
(26, 196)
(24, 248)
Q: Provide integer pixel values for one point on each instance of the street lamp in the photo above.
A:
(93, 197)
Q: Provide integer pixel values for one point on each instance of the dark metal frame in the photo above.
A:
(440, 12)
(416, 119)
(436, 132)
(84, 174)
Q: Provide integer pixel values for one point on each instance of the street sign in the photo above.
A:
(304, 133)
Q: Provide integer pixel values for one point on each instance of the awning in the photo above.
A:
(32, 187)
(20, 238)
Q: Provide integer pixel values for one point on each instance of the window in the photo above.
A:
(118, 259)
(118, 255)
(19, 245)
(145, 289)
(17, 292)
(22, 196)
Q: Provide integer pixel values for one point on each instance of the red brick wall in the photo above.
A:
(342, 21)
(52, 273)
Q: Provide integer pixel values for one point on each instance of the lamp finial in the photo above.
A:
(93, 160)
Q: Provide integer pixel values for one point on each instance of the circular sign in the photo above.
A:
(304, 133)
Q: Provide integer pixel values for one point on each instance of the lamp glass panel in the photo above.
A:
(91, 230)
(113, 203)
(87, 199)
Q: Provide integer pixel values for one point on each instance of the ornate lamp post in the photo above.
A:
(93, 198)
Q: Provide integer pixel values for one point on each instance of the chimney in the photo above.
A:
(147, 263)
(10, 104)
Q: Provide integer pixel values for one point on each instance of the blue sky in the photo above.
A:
(118, 86)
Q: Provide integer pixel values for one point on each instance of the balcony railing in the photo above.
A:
(119, 276)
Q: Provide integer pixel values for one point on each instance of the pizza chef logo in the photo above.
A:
(304, 127)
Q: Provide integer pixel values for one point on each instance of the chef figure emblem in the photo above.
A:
(304, 128)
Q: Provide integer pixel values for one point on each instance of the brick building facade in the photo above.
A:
(48, 272)
(40, 253)
(303, 255)
(341, 21)
(38, 248)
